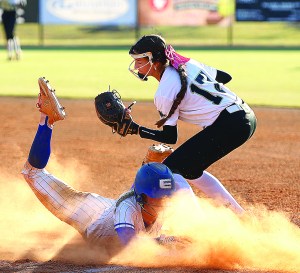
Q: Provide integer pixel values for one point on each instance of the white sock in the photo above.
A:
(10, 48)
(214, 189)
(43, 120)
(17, 46)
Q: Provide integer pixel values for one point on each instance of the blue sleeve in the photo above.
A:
(125, 234)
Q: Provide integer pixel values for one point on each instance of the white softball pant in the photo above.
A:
(76, 208)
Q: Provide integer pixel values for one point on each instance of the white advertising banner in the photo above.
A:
(104, 12)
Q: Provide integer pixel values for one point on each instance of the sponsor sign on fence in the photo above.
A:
(184, 12)
(268, 10)
(102, 12)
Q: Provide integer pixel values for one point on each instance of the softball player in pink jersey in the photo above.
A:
(195, 93)
(92, 215)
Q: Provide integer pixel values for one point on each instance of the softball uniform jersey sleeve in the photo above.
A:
(128, 214)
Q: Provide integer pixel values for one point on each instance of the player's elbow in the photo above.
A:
(125, 235)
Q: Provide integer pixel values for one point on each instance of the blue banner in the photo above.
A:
(268, 10)
(102, 12)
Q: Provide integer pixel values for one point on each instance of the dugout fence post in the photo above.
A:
(41, 34)
(41, 31)
(230, 31)
(137, 23)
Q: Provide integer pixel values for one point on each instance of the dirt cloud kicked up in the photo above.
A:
(260, 240)
(28, 229)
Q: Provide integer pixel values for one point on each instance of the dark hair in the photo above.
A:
(156, 45)
(151, 43)
(124, 196)
(179, 97)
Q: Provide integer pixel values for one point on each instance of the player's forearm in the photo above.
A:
(168, 135)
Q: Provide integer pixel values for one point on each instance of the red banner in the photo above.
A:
(179, 12)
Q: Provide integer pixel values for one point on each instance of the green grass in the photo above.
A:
(81, 61)
(243, 33)
(261, 77)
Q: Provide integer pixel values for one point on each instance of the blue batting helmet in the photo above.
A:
(154, 180)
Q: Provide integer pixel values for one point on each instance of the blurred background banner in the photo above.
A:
(112, 12)
(268, 10)
(184, 12)
(181, 22)
(31, 14)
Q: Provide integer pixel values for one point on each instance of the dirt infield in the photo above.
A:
(264, 171)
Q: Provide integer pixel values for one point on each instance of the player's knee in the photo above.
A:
(189, 174)
(193, 174)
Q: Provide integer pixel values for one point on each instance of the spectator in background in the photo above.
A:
(9, 17)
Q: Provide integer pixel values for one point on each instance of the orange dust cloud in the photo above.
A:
(259, 240)
(28, 229)
(219, 239)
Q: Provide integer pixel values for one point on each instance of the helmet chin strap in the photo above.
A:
(142, 202)
(142, 206)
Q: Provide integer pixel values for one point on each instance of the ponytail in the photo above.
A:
(179, 97)
(124, 196)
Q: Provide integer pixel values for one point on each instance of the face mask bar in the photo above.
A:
(135, 71)
(152, 209)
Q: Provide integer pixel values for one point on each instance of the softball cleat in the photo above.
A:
(48, 102)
